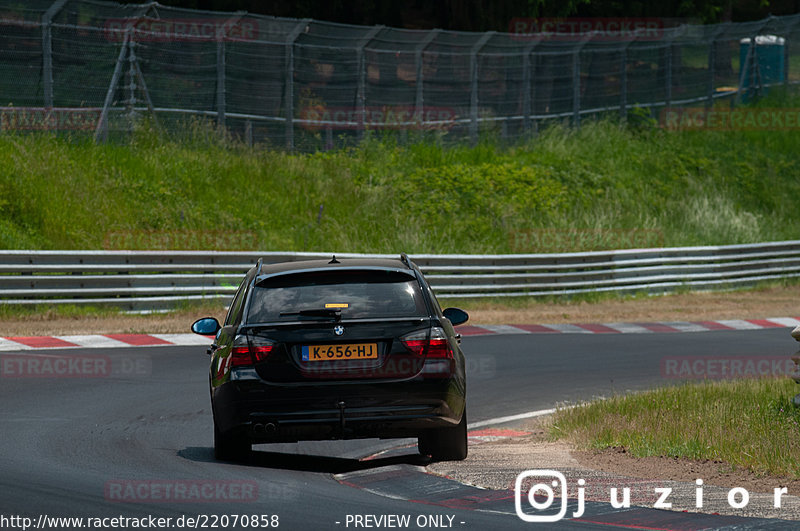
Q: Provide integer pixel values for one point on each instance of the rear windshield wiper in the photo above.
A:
(329, 313)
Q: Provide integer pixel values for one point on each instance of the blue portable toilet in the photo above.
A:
(770, 63)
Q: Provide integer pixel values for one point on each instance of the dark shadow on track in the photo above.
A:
(305, 462)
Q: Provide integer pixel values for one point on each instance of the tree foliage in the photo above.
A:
(485, 15)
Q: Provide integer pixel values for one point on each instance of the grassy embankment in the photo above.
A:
(696, 187)
(604, 186)
(746, 424)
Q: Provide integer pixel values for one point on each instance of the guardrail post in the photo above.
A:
(47, 50)
(361, 91)
(289, 79)
(473, 76)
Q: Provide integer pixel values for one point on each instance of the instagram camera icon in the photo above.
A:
(542, 488)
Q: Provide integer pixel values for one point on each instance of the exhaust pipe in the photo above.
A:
(270, 427)
(258, 429)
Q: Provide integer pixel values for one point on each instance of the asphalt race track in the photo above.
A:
(123, 442)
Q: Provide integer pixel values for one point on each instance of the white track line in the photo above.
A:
(504, 329)
(510, 418)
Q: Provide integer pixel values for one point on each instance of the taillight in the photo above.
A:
(248, 350)
(433, 345)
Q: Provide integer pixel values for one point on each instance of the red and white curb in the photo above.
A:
(632, 328)
(101, 341)
(153, 340)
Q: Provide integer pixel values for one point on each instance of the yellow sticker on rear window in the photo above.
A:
(337, 305)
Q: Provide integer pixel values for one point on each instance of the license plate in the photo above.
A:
(355, 351)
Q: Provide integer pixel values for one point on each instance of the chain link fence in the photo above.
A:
(304, 84)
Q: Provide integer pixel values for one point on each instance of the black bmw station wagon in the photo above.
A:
(339, 349)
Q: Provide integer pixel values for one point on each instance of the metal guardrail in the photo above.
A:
(151, 280)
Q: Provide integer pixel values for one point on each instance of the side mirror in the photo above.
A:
(207, 326)
(456, 316)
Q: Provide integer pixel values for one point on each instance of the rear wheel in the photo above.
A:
(445, 444)
(231, 446)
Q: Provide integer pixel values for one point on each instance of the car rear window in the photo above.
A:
(356, 293)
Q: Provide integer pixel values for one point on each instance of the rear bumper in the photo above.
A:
(267, 412)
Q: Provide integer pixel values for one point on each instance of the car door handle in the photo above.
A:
(458, 338)
(212, 348)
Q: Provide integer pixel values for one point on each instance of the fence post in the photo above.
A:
(712, 63)
(248, 133)
(361, 91)
(47, 50)
(418, 100)
(473, 91)
(220, 80)
(289, 76)
(527, 85)
(668, 75)
(786, 55)
(143, 86)
(101, 132)
(576, 80)
(623, 82)
(131, 85)
(221, 34)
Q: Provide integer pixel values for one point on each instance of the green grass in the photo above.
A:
(749, 424)
(52, 311)
(688, 188)
(49, 311)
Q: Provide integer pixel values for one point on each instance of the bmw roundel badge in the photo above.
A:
(338, 330)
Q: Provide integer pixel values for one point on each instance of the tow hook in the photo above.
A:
(341, 416)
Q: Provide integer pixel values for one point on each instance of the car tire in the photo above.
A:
(445, 444)
(230, 446)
